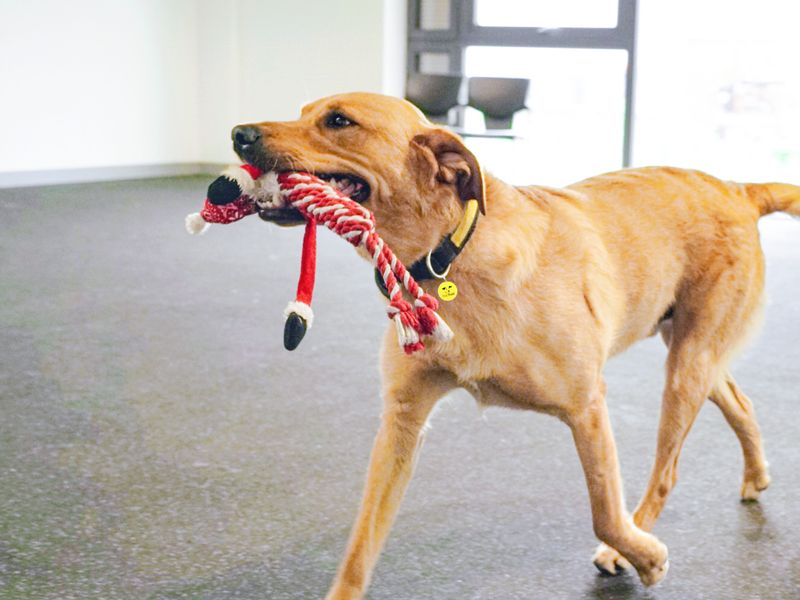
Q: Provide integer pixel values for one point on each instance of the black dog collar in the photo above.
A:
(436, 263)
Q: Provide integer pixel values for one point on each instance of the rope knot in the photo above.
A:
(429, 320)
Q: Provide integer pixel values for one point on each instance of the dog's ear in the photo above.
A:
(450, 162)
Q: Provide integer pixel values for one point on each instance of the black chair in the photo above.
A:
(499, 99)
(434, 95)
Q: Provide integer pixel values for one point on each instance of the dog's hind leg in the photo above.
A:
(410, 394)
(739, 412)
(711, 319)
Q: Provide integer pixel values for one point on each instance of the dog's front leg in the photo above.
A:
(594, 440)
(410, 392)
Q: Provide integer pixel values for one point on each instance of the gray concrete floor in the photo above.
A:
(156, 441)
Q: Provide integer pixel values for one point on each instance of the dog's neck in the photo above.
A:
(490, 274)
(491, 254)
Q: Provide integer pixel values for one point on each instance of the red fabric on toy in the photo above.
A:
(308, 263)
(228, 213)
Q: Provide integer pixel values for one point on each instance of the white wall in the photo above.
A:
(395, 48)
(285, 54)
(219, 77)
(96, 83)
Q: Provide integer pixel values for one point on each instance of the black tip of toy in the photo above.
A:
(223, 191)
(293, 331)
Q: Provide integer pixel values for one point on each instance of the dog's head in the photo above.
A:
(381, 152)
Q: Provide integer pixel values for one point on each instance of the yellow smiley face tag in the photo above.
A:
(447, 291)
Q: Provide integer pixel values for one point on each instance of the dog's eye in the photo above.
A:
(337, 120)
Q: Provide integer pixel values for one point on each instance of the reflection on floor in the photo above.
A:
(156, 441)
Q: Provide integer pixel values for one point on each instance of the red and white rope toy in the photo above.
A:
(321, 203)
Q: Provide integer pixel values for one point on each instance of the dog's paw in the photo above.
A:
(655, 570)
(654, 575)
(608, 561)
(754, 484)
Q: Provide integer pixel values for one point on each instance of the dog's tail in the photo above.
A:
(775, 197)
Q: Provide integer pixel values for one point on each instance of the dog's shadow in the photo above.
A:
(754, 525)
(620, 587)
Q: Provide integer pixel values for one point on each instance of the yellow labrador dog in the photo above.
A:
(552, 282)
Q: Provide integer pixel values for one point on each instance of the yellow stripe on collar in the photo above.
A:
(461, 234)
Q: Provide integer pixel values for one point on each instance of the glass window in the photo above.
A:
(434, 14)
(434, 63)
(546, 13)
(719, 91)
(575, 123)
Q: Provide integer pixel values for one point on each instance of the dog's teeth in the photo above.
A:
(345, 185)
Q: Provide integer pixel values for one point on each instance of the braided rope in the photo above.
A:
(317, 200)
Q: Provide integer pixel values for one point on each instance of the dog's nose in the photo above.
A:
(245, 136)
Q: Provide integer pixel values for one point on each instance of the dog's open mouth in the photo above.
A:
(350, 185)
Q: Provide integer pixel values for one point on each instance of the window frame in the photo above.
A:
(464, 32)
